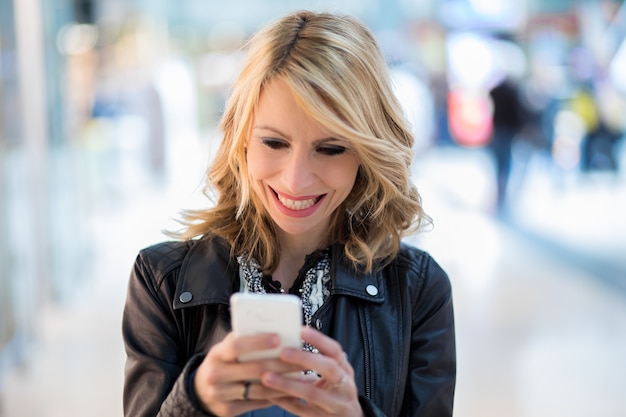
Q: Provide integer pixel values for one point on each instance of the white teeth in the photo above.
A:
(296, 205)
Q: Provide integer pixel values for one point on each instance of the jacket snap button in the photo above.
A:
(185, 297)
(318, 324)
(371, 290)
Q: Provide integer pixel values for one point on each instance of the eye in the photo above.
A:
(274, 143)
(331, 150)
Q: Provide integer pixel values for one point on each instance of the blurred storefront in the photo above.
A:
(41, 235)
(8, 133)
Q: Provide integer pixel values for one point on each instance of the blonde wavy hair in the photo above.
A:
(338, 75)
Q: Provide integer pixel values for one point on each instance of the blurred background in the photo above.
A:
(108, 119)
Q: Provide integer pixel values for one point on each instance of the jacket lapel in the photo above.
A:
(207, 275)
(368, 287)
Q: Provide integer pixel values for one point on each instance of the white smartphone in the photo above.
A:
(267, 313)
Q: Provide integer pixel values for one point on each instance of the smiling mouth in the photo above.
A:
(297, 205)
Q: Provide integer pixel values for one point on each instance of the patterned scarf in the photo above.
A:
(313, 290)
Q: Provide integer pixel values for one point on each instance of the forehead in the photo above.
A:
(279, 108)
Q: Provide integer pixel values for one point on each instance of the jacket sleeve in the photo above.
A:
(157, 372)
(432, 359)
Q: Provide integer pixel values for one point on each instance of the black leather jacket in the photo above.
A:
(396, 326)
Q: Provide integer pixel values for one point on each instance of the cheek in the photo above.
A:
(344, 177)
(257, 168)
(260, 170)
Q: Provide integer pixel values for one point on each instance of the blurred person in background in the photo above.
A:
(313, 196)
(603, 130)
(507, 123)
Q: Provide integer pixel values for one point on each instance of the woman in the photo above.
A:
(313, 197)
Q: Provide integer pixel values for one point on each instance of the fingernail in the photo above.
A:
(271, 378)
(273, 340)
(288, 352)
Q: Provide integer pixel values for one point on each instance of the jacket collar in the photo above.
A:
(209, 275)
(368, 287)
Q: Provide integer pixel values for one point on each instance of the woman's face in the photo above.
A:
(299, 170)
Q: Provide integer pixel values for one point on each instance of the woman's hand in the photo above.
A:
(226, 387)
(333, 393)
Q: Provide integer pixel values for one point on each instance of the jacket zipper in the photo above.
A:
(366, 349)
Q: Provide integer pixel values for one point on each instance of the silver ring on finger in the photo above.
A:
(245, 391)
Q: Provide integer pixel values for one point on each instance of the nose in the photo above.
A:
(298, 172)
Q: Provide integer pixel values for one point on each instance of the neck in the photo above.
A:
(293, 250)
(298, 246)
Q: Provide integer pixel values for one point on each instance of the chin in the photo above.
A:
(298, 228)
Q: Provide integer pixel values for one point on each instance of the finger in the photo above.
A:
(308, 396)
(323, 343)
(236, 398)
(232, 347)
(252, 371)
(323, 366)
(333, 384)
(221, 363)
(220, 395)
(331, 369)
(257, 391)
(245, 391)
(219, 381)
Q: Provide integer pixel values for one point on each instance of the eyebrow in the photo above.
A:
(278, 132)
